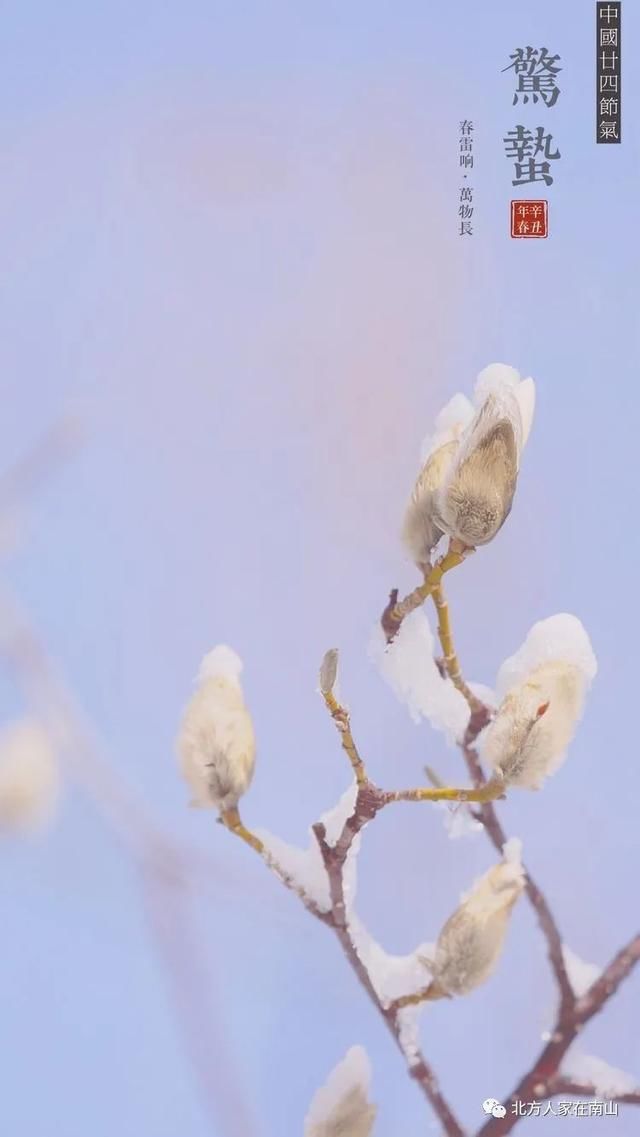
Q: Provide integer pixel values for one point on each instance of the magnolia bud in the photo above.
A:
(534, 724)
(216, 743)
(29, 779)
(341, 1108)
(477, 496)
(420, 531)
(470, 943)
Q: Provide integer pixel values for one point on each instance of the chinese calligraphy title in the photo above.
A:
(533, 150)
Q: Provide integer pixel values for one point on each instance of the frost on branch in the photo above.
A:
(341, 1108)
(542, 687)
(581, 975)
(216, 743)
(393, 976)
(471, 941)
(459, 820)
(599, 1076)
(304, 867)
(498, 378)
(29, 777)
(408, 666)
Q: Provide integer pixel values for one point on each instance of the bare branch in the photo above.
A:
(368, 803)
(488, 817)
(450, 659)
(340, 716)
(544, 1075)
(397, 610)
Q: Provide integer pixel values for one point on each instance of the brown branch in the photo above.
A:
(397, 610)
(608, 982)
(231, 820)
(488, 818)
(369, 801)
(55, 445)
(340, 715)
(545, 1075)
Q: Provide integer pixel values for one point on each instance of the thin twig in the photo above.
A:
(334, 857)
(160, 859)
(397, 610)
(450, 658)
(232, 821)
(489, 791)
(340, 715)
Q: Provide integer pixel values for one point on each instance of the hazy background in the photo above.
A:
(229, 243)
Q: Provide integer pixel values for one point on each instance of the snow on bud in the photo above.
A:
(216, 742)
(498, 377)
(420, 532)
(470, 943)
(543, 688)
(341, 1108)
(29, 778)
(476, 495)
(329, 671)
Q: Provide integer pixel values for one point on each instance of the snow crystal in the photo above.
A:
(512, 852)
(391, 975)
(607, 1081)
(220, 661)
(498, 377)
(334, 819)
(581, 975)
(450, 423)
(347, 1086)
(459, 820)
(408, 666)
(305, 867)
(409, 1033)
(560, 637)
(500, 405)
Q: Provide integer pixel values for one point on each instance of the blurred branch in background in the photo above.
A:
(167, 870)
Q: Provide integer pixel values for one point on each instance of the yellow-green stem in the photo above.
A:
(420, 594)
(451, 661)
(341, 719)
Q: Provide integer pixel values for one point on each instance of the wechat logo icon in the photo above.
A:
(492, 1106)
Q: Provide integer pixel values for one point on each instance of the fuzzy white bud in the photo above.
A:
(29, 777)
(534, 724)
(216, 742)
(420, 531)
(476, 496)
(478, 492)
(341, 1108)
(471, 941)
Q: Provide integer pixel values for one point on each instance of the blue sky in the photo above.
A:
(230, 248)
